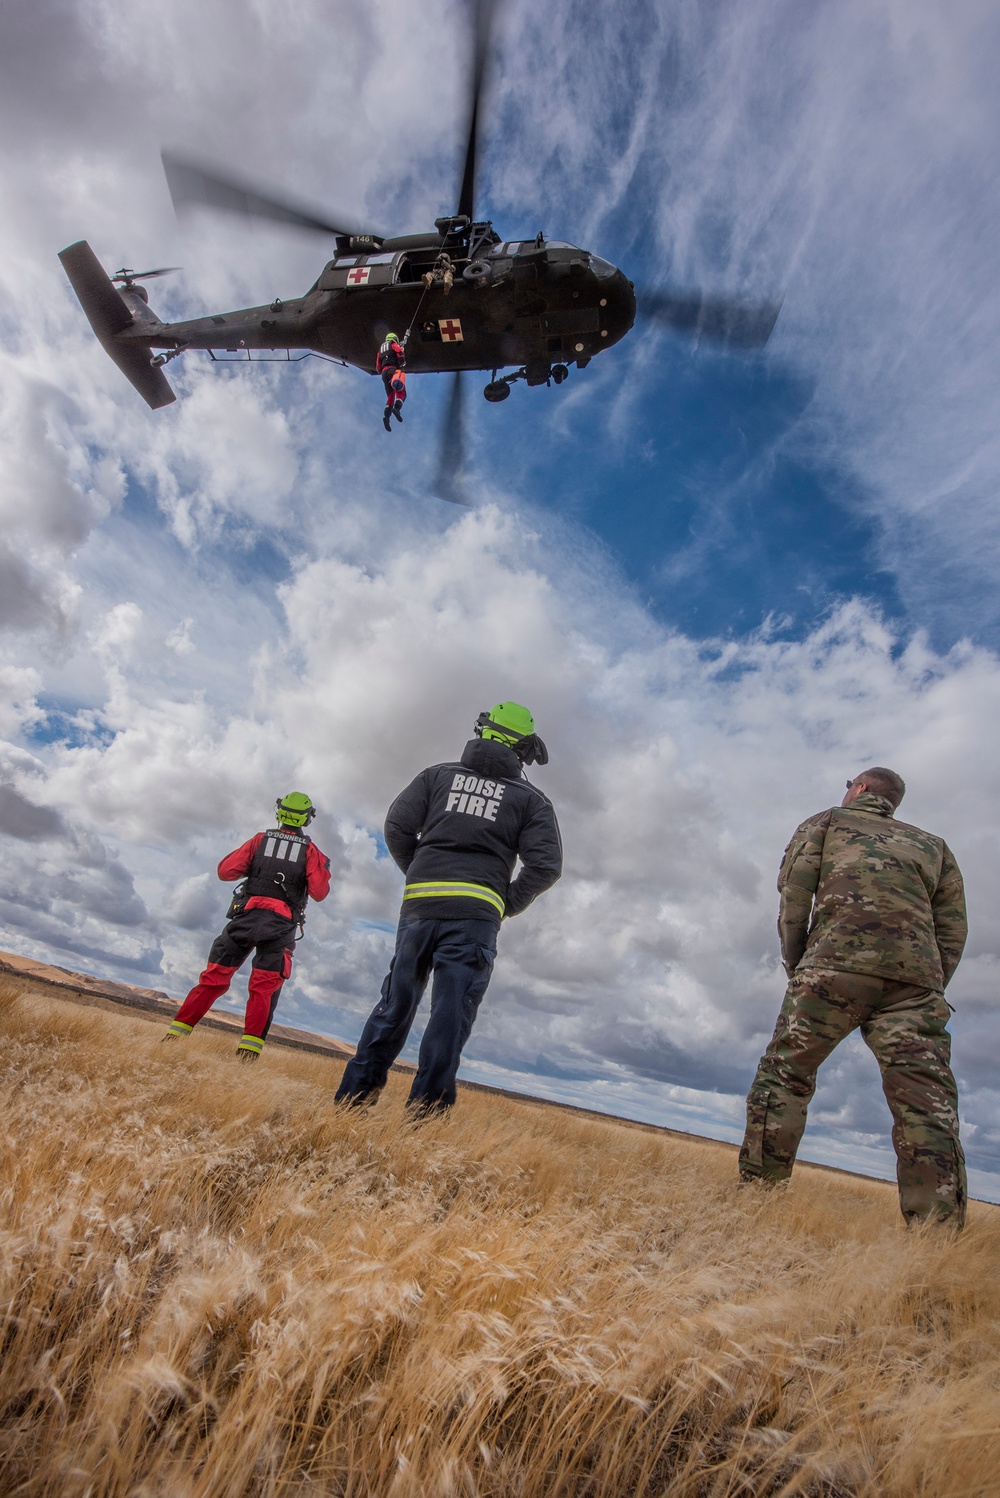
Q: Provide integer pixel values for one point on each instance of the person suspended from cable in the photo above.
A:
(390, 363)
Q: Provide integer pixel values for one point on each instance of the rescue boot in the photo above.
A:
(358, 1100)
(385, 418)
(397, 410)
(250, 1046)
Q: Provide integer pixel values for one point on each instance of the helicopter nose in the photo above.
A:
(616, 307)
(626, 294)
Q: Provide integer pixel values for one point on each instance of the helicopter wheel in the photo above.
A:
(560, 373)
(497, 390)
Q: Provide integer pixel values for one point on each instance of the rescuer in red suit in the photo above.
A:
(390, 363)
(281, 869)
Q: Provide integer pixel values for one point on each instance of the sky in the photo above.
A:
(722, 583)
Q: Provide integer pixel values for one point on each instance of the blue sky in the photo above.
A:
(723, 583)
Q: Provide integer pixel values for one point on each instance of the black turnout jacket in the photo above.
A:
(458, 830)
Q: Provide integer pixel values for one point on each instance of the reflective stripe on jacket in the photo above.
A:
(458, 830)
(453, 889)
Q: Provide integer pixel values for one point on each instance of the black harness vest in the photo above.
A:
(278, 869)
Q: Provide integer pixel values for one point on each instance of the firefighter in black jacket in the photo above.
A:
(456, 832)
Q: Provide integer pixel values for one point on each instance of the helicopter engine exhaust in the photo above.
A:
(110, 314)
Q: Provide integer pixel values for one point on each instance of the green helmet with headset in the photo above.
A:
(511, 724)
(295, 809)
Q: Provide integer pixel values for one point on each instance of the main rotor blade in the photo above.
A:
(484, 22)
(449, 482)
(745, 325)
(190, 184)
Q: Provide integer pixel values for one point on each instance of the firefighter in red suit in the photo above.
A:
(390, 363)
(281, 869)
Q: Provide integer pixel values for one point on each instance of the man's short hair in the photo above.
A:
(884, 783)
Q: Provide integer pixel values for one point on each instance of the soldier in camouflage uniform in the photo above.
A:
(872, 926)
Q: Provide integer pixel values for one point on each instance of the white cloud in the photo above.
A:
(228, 453)
(678, 770)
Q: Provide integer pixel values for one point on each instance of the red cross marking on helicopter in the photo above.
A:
(451, 330)
(358, 276)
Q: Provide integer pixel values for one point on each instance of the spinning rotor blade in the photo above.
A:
(146, 275)
(745, 325)
(190, 184)
(467, 191)
(449, 482)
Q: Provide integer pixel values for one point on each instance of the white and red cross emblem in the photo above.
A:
(359, 275)
(451, 330)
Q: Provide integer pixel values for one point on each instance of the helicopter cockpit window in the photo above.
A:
(384, 259)
(557, 244)
(347, 260)
(602, 268)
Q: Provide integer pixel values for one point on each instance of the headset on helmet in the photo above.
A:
(511, 724)
(295, 809)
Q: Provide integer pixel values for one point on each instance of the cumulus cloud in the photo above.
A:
(679, 768)
(64, 887)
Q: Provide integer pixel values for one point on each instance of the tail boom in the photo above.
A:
(110, 316)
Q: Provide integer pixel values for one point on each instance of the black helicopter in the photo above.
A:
(467, 299)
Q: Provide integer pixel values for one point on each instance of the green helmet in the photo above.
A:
(513, 725)
(392, 337)
(295, 809)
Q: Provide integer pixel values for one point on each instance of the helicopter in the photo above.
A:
(468, 299)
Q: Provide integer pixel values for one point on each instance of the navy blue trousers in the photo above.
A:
(460, 956)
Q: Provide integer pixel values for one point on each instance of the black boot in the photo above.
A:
(397, 410)
(385, 418)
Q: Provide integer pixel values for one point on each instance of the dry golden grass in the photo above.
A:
(214, 1284)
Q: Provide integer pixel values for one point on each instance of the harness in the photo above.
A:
(278, 870)
(390, 356)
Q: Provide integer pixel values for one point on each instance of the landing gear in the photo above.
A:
(536, 372)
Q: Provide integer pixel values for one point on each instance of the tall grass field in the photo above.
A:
(215, 1284)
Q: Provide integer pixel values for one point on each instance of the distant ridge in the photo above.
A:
(102, 993)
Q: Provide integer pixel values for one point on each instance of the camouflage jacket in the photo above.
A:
(863, 893)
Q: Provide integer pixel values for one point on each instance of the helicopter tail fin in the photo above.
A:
(109, 315)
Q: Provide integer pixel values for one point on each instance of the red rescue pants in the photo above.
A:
(269, 936)
(394, 381)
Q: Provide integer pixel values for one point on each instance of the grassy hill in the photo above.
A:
(216, 1285)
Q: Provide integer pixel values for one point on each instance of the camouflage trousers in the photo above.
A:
(905, 1028)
